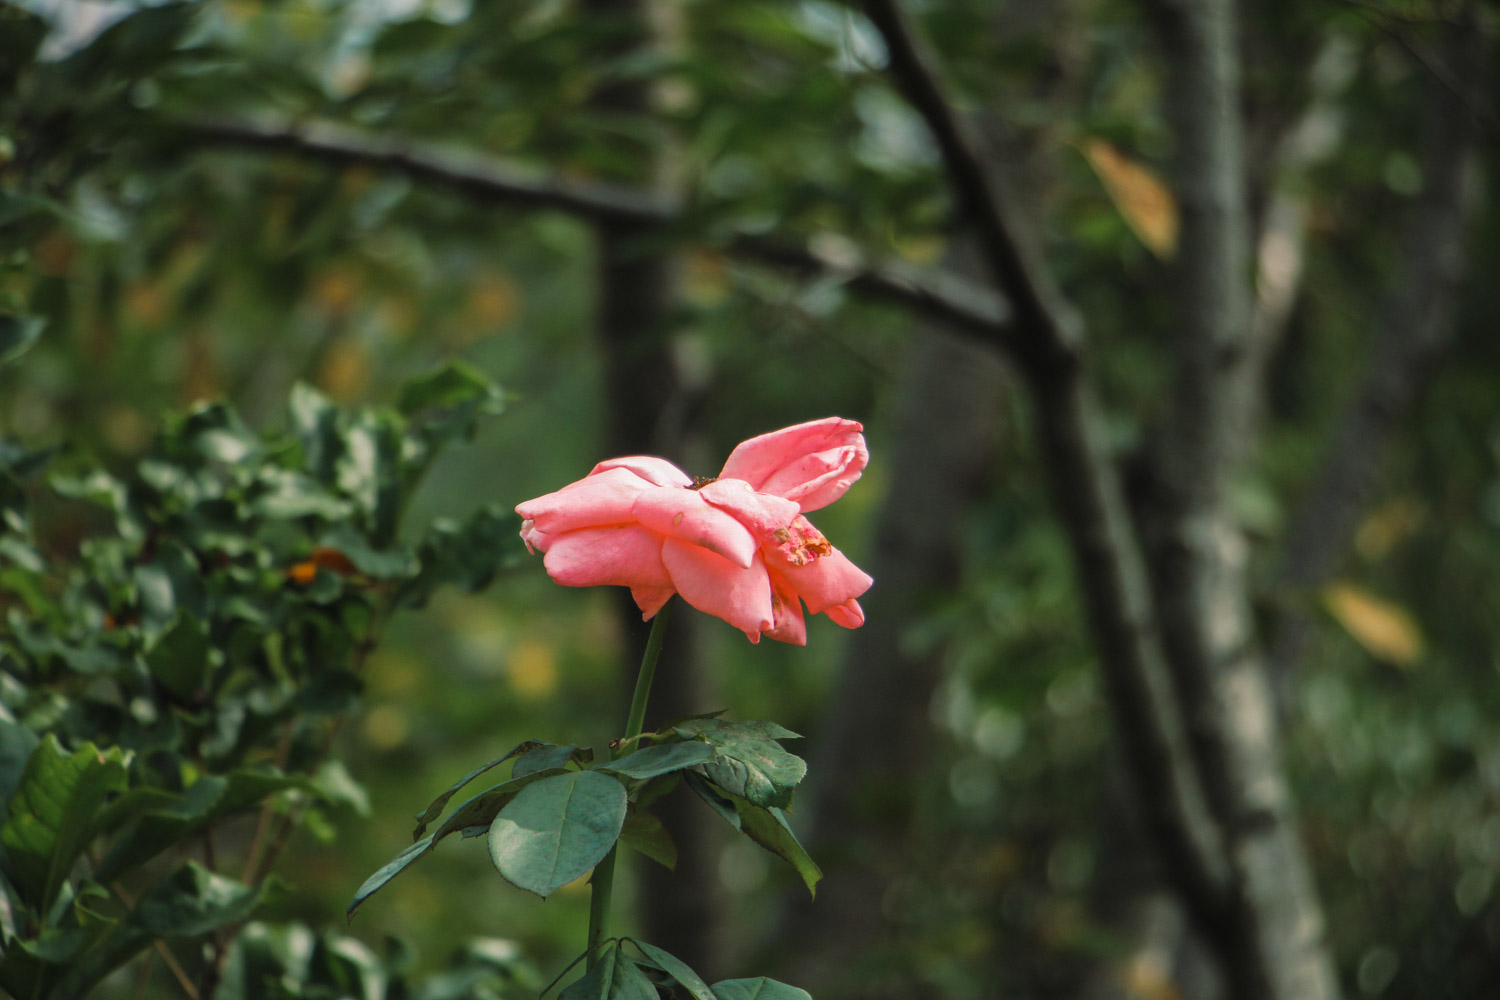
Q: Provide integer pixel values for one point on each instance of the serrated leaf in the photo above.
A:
(749, 762)
(644, 832)
(757, 989)
(649, 762)
(715, 799)
(546, 757)
(470, 819)
(388, 871)
(766, 826)
(615, 976)
(557, 829)
(435, 810)
(677, 969)
(50, 815)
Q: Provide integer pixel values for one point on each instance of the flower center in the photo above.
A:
(800, 543)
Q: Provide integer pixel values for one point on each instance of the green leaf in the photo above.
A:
(648, 762)
(615, 976)
(466, 555)
(153, 820)
(758, 989)
(749, 761)
(455, 384)
(545, 757)
(9, 905)
(476, 814)
(435, 810)
(644, 832)
(17, 743)
(677, 969)
(767, 826)
(193, 901)
(557, 829)
(481, 810)
(18, 334)
(715, 799)
(180, 657)
(389, 564)
(388, 871)
(445, 406)
(50, 815)
(112, 949)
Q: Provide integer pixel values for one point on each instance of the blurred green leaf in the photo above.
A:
(49, 817)
(18, 334)
(194, 901)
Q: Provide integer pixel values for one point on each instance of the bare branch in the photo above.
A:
(945, 298)
(1053, 331)
(1086, 487)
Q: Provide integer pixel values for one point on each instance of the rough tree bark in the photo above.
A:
(877, 736)
(637, 288)
(1187, 688)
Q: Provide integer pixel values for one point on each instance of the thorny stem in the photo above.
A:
(603, 880)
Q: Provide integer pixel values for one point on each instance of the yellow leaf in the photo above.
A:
(1386, 630)
(1387, 526)
(1144, 202)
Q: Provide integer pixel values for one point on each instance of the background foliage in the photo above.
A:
(221, 485)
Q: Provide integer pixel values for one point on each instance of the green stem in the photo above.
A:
(603, 882)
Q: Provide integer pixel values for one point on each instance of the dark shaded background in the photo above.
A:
(1167, 322)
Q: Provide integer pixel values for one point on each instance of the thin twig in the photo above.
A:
(1431, 62)
(1054, 333)
(169, 959)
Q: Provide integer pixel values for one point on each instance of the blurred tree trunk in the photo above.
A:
(637, 287)
(872, 752)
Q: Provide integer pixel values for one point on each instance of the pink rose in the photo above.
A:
(737, 546)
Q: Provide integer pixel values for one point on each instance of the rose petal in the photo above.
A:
(788, 625)
(686, 516)
(624, 555)
(592, 501)
(651, 599)
(826, 581)
(762, 513)
(657, 471)
(536, 541)
(812, 463)
(714, 585)
(849, 614)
